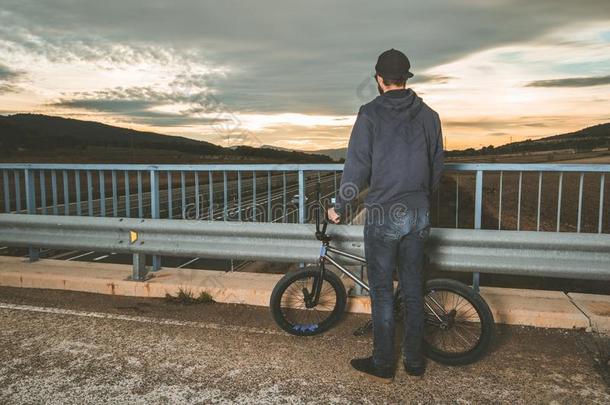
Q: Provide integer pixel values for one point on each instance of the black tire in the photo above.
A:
(325, 319)
(484, 330)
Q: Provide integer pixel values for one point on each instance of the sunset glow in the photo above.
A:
(292, 85)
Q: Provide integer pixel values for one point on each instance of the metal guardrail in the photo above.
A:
(529, 253)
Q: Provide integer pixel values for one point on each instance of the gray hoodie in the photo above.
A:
(396, 149)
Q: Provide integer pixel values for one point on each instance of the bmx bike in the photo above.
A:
(459, 325)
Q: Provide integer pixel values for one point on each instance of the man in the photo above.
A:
(396, 150)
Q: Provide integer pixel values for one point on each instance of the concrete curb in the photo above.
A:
(596, 308)
(548, 309)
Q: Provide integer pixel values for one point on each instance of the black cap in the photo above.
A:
(393, 65)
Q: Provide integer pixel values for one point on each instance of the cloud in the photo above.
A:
(572, 82)
(9, 78)
(144, 105)
(281, 57)
(189, 64)
(431, 79)
(7, 73)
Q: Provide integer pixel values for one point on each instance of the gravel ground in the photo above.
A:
(64, 347)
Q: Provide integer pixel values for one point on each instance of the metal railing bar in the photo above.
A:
(102, 190)
(269, 197)
(66, 192)
(77, 190)
(90, 192)
(127, 194)
(170, 208)
(115, 201)
(559, 193)
(7, 191)
(211, 192)
(196, 194)
(254, 196)
(54, 191)
(183, 194)
(516, 167)
(478, 213)
(239, 196)
(580, 186)
(602, 182)
(43, 192)
(284, 196)
(224, 194)
(301, 196)
(140, 203)
(539, 201)
(500, 200)
(519, 201)
(457, 199)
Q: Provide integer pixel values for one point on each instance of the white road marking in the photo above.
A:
(100, 258)
(79, 256)
(140, 319)
(157, 321)
(189, 262)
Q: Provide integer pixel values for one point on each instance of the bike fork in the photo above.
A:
(317, 283)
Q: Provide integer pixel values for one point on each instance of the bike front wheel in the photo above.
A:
(293, 309)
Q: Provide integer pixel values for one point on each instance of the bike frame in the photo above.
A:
(324, 257)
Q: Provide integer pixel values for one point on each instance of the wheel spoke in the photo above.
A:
(460, 329)
(293, 305)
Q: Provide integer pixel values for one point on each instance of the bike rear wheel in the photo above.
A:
(459, 324)
(292, 308)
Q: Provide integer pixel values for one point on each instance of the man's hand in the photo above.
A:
(333, 216)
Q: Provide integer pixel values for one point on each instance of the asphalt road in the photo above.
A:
(65, 347)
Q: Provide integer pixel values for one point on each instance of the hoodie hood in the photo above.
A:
(403, 102)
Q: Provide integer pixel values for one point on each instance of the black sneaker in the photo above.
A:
(367, 367)
(415, 370)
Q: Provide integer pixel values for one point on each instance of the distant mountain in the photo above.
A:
(335, 154)
(276, 148)
(37, 132)
(597, 136)
(586, 139)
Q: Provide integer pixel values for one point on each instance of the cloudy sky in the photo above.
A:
(293, 74)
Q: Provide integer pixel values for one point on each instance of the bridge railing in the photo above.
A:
(520, 197)
(505, 196)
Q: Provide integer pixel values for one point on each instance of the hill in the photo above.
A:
(36, 134)
(583, 140)
(587, 139)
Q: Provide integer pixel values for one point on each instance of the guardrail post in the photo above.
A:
(30, 200)
(478, 205)
(154, 207)
(140, 272)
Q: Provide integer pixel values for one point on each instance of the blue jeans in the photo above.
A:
(395, 240)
